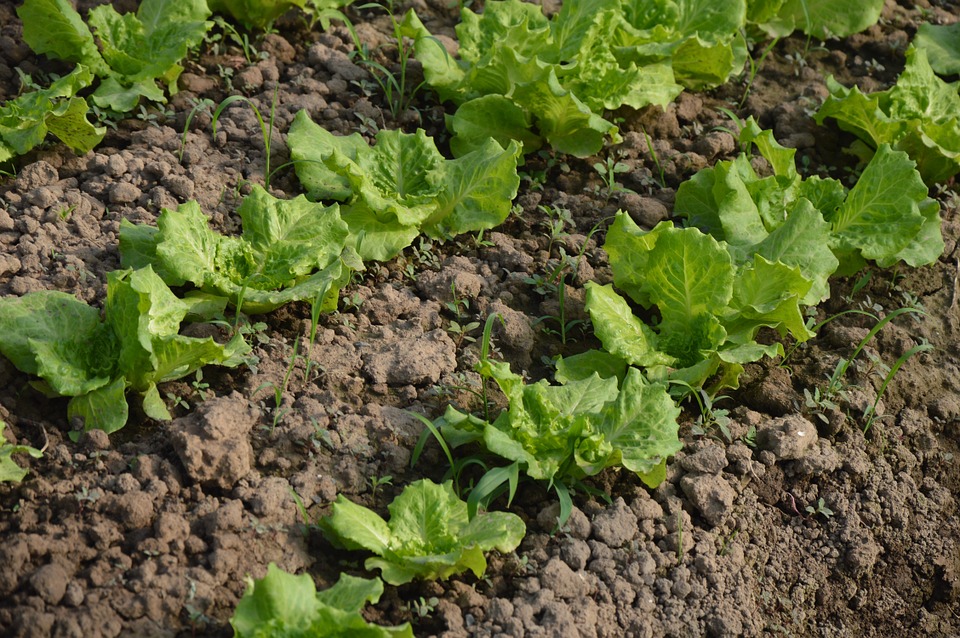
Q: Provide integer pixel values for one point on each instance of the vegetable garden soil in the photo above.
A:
(794, 521)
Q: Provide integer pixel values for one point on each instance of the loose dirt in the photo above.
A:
(794, 521)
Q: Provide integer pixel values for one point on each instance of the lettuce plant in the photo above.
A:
(710, 307)
(135, 346)
(402, 186)
(281, 605)
(564, 433)
(522, 76)
(260, 14)
(9, 470)
(134, 50)
(814, 224)
(820, 19)
(429, 534)
(26, 120)
(289, 250)
(920, 115)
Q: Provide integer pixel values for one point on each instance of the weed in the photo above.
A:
(199, 106)
(656, 158)
(710, 417)
(177, 401)
(199, 385)
(755, 65)
(608, 170)
(279, 391)
(458, 327)
(153, 116)
(266, 128)
(65, 212)
(871, 412)
(376, 482)
(423, 607)
(316, 307)
(821, 509)
(396, 88)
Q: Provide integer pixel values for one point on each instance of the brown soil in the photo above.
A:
(152, 531)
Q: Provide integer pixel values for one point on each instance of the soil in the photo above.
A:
(794, 521)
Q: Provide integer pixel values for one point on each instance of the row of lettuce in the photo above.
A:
(530, 77)
(755, 251)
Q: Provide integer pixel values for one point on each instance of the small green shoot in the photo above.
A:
(266, 128)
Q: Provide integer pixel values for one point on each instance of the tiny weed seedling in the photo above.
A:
(199, 385)
(656, 158)
(821, 509)
(608, 170)
(200, 106)
(376, 482)
(423, 607)
(396, 88)
(459, 328)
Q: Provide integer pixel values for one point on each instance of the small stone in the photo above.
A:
(710, 460)
(563, 581)
(615, 525)
(50, 583)
(36, 175)
(787, 437)
(710, 494)
(123, 193)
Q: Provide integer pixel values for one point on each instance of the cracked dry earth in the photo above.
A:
(151, 532)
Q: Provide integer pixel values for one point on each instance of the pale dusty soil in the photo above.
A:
(152, 531)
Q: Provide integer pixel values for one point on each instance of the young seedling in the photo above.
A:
(266, 127)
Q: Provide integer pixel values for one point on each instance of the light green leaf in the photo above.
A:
(54, 27)
(584, 364)
(256, 14)
(825, 19)
(859, 114)
(620, 331)
(880, 216)
(102, 409)
(641, 425)
(494, 116)
(25, 120)
(153, 405)
(478, 191)
(767, 293)
(804, 241)
(688, 274)
(941, 42)
(356, 527)
(9, 470)
(282, 605)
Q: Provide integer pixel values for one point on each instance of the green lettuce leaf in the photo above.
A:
(256, 14)
(134, 50)
(402, 186)
(711, 308)
(429, 534)
(289, 250)
(9, 470)
(26, 120)
(919, 115)
(881, 216)
(96, 361)
(942, 45)
(563, 433)
(281, 605)
(820, 19)
(814, 224)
